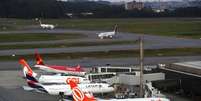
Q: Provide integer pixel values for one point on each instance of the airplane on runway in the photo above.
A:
(61, 89)
(80, 95)
(108, 34)
(58, 69)
(46, 26)
(58, 78)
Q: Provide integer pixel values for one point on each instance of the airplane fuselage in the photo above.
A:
(61, 69)
(92, 87)
(47, 26)
(106, 35)
(61, 79)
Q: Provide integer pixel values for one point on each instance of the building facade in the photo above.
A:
(134, 5)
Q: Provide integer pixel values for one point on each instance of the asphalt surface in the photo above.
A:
(11, 89)
(151, 42)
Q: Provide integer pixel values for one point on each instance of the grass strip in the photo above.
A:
(112, 54)
(23, 37)
(65, 45)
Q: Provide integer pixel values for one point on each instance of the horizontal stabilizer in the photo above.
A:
(27, 88)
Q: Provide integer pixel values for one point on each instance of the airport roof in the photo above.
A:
(192, 68)
(192, 64)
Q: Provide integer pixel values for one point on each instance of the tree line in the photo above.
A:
(58, 9)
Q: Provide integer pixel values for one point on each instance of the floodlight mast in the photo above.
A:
(141, 95)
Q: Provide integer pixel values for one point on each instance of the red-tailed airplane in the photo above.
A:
(58, 79)
(60, 89)
(79, 95)
(58, 69)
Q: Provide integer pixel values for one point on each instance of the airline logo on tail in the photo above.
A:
(26, 68)
(79, 95)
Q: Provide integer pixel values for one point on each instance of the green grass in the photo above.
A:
(113, 54)
(65, 45)
(161, 26)
(179, 27)
(15, 24)
(23, 37)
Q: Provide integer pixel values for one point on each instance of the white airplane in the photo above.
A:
(58, 78)
(46, 26)
(58, 68)
(108, 34)
(80, 95)
(62, 89)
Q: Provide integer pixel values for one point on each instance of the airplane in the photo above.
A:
(58, 69)
(61, 89)
(80, 95)
(108, 34)
(46, 26)
(58, 78)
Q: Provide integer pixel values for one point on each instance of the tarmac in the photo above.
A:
(11, 89)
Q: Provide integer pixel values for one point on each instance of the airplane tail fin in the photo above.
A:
(115, 28)
(39, 60)
(40, 21)
(26, 68)
(30, 76)
(78, 94)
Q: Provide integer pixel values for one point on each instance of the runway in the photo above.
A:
(151, 42)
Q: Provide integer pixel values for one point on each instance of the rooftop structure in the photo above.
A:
(134, 5)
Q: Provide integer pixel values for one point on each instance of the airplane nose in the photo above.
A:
(111, 89)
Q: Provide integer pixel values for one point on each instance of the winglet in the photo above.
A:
(115, 28)
(39, 60)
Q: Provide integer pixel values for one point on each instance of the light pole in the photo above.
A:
(141, 95)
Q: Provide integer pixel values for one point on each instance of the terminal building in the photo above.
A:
(126, 79)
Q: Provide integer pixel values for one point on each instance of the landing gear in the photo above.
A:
(61, 96)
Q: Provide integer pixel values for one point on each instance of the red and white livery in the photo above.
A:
(62, 88)
(58, 69)
(58, 78)
(79, 95)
